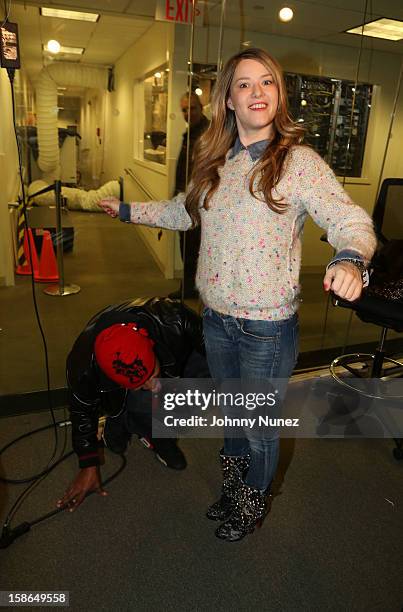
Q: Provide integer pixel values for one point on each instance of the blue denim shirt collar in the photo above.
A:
(255, 149)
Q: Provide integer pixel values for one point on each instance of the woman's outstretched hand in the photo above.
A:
(110, 206)
(344, 279)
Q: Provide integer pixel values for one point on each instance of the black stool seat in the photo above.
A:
(380, 311)
(373, 309)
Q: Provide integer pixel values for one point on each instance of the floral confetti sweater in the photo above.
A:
(250, 256)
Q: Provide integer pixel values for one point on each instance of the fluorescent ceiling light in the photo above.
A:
(62, 14)
(390, 29)
(70, 50)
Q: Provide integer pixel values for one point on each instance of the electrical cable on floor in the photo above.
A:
(8, 534)
(35, 479)
(11, 74)
(22, 437)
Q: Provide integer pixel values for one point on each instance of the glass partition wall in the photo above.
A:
(343, 87)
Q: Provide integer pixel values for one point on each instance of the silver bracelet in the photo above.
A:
(358, 264)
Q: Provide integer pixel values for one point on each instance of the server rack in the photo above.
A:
(335, 114)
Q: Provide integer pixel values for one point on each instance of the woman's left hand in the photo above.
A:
(344, 279)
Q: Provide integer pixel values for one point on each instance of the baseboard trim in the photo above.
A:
(38, 401)
(34, 401)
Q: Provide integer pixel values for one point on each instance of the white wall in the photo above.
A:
(153, 49)
(92, 131)
(9, 178)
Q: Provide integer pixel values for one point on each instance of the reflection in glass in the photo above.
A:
(324, 106)
(155, 116)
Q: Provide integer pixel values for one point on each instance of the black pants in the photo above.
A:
(190, 256)
(137, 416)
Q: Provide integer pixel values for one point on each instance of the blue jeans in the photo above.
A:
(249, 349)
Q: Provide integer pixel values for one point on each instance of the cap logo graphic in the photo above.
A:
(134, 370)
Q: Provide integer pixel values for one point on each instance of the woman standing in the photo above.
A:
(253, 185)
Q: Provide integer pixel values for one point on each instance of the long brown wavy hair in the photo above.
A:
(214, 144)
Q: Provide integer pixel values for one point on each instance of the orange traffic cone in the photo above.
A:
(25, 268)
(48, 272)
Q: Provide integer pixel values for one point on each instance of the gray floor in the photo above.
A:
(332, 541)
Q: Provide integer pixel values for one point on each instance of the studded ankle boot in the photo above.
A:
(250, 508)
(233, 469)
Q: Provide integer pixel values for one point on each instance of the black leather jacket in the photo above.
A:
(176, 331)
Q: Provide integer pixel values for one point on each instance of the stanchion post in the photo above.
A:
(62, 289)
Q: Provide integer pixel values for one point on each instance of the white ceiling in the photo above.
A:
(104, 41)
(122, 22)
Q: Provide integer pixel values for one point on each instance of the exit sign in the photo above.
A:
(178, 11)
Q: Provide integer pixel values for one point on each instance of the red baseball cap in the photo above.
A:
(125, 354)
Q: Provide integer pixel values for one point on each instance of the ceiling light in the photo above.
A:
(198, 91)
(72, 50)
(390, 29)
(62, 14)
(304, 102)
(286, 14)
(69, 50)
(53, 46)
(157, 75)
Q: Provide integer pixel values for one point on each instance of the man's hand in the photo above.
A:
(344, 279)
(110, 206)
(87, 480)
